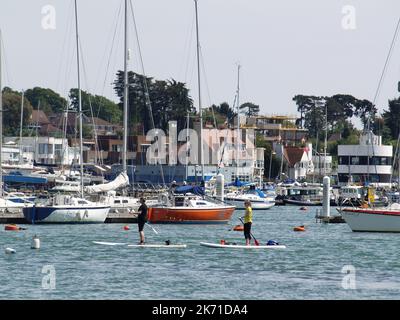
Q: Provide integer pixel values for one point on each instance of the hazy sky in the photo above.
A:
(285, 47)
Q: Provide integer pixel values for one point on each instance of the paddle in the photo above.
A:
(255, 240)
(155, 231)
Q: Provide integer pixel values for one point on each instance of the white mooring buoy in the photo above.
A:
(220, 186)
(326, 205)
(35, 242)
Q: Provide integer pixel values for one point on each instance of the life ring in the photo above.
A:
(299, 228)
(12, 227)
(238, 228)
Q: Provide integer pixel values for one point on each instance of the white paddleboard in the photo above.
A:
(155, 245)
(110, 243)
(238, 246)
(159, 245)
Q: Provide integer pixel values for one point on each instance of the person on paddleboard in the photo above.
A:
(248, 219)
(142, 219)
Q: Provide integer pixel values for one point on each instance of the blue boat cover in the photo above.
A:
(17, 177)
(237, 183)
(192, 189)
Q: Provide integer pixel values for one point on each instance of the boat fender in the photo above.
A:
(238, 228)
(10, 250)
(126, 228)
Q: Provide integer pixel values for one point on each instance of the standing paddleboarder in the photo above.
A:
(142, 219)
(248, 219)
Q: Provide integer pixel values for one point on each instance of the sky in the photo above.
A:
(284, 47)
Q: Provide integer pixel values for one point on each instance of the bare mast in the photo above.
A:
(79, 100)
(199, 91)
(125, 136)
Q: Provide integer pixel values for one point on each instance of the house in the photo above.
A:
(299, 161)
(69, 121)
(40, 123)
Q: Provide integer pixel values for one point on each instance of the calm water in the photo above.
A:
(310, 267)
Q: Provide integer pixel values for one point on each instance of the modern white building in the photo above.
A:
(47, 150)
(367, 162)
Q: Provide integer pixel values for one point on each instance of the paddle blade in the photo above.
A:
(256, 242)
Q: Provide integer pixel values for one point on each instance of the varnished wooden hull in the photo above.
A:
(215, 215)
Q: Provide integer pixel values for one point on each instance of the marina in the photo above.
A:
(311, 266)
(120, 184)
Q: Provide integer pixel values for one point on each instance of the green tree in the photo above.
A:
(162, 101)
(252, 109)
(101, 107)
(50, 101)
(12, 111)
(392, 117)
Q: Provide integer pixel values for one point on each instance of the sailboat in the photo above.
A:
(64, 208)
(259, 201)
(6, 203)
(187, 203)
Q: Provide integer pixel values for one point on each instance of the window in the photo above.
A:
(42, 148)
(355, 160)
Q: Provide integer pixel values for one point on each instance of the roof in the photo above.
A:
(293, 155)
(38, 116)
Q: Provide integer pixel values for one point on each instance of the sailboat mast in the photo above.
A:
(79, 99)
(125, 137)
(21, 126)
(238, 125)
(199, 89)
(1, 122)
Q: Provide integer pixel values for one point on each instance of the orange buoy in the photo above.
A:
(299, 228)
(127, 228)
(238, 228)
(12, 227)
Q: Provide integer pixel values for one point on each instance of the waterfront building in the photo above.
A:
(367, 162)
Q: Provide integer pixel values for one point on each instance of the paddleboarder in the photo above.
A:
(248, 219)
(142, 219)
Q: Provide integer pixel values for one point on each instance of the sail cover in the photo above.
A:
(120, 181)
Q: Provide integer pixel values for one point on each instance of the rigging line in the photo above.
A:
(188, 47)
(68, 32)
(112, 36)
(147, 98)
(226, 136)
(207, 87)
(5, 64)
(387, 61)
(96, 147)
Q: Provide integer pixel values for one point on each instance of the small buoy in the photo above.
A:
(35, 242)
(10, 250)
(238, 228)
(304, 208)
(299, 228)
(126, 228)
